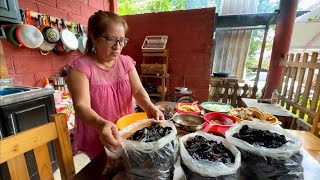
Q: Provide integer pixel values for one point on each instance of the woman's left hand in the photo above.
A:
(154, 112)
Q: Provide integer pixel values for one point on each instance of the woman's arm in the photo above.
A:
(142, 97)
(78, 85)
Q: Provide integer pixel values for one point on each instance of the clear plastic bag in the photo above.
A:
(114, 161)
(152, 160)
(203, 169)
(259, 162)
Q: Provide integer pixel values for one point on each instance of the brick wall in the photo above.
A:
(28, 67)
(190, 45)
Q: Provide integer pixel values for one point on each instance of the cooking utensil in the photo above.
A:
(82, 40)
(59, 45)
(189, 122)
(206, 107)
(218, 122)
(11, 34)
(45, 47)
(221, 74)
(50, 33)
(28, 35)
(69, 40)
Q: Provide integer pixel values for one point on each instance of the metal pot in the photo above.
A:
(189, 122)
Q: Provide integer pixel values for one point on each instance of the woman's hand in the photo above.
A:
(154, 112)
(109, 135)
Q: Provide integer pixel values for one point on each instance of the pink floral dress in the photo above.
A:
(111, 98)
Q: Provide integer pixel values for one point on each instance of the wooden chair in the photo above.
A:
(12, 149)
(316, 124)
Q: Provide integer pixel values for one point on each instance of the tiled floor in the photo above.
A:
(80, 161)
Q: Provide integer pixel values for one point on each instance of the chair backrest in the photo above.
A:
(316, 124)
(231, 93)
(12, 149)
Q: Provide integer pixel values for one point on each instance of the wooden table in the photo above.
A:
(310, 163)
(283, 115)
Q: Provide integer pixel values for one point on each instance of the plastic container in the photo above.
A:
(225, 119)
(275, 97)
(57, 97)
(188, 112)
(130, 118)
(204, 105)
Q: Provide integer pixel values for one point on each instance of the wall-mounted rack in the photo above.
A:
(34, 15)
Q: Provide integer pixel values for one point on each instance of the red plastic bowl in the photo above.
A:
(188, 112)
(224, 119)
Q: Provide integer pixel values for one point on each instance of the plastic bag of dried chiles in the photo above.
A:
(150, 148)
(267, 151)
(205, 156)
(114, 161)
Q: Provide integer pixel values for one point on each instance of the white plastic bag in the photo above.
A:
(150, 160)
(208, 168)
(285, 151)
(114, 160)
(259, 162)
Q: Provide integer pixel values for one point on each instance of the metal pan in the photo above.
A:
(189, 122)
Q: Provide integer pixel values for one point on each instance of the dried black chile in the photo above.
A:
(201, 148)
(150, 134)
(260, 138)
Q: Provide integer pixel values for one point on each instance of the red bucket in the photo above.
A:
(225, 120)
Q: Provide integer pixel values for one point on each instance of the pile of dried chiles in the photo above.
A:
(168, 114)
(260, 137)
(150, 134)
(200, 148)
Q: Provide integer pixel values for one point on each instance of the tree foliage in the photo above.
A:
(129, 7)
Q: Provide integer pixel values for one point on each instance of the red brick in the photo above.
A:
(78, 19)
(106, 5)
(57, 62)
(24, 79)
(28, 4)
(98, 4)
(48, 2)
(70, 6)
(10, 49)
(39, 77)
(45, 9)
(84, 1)
(31, 63)
(87, 11)
(9, 64)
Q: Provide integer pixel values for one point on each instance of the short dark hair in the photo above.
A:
(98, 23)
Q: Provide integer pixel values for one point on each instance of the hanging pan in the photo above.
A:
(28, 35)
(50, 33)
(45, 47)
(82, 40)
(69, 40)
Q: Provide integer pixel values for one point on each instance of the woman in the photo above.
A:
(102, 84)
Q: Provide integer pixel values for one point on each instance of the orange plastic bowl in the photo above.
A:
(130, 118)
(227, 121)
(188, 112)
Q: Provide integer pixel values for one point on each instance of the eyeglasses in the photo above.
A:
(113, 41)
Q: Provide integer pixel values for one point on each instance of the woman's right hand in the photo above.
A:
(109, 135)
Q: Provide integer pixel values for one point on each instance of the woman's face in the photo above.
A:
(105, 47)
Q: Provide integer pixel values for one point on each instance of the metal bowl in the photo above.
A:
(189, 122)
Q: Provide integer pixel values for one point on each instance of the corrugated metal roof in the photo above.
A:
(306, 31)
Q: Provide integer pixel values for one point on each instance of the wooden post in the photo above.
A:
(281, 44)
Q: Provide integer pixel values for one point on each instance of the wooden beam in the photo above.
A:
(248, 19)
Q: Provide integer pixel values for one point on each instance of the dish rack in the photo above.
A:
(154, 43)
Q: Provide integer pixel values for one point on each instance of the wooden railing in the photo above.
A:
(301, 85)
(231, 93)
